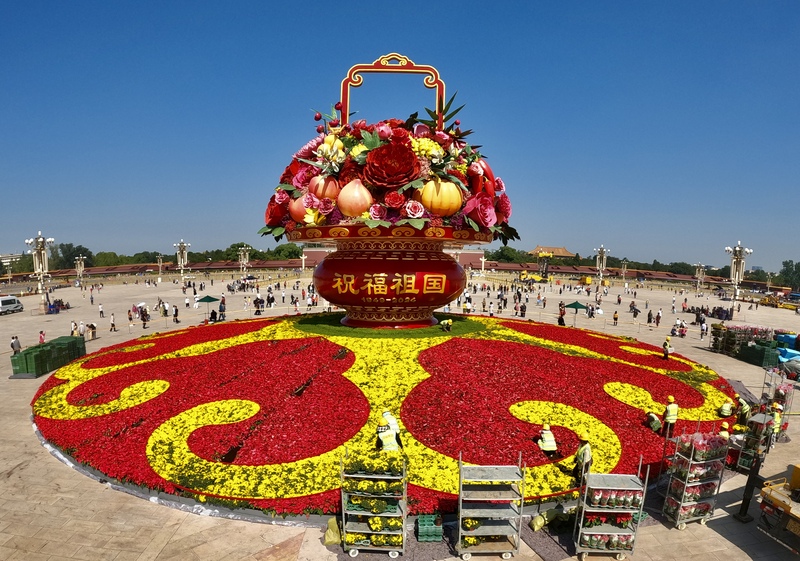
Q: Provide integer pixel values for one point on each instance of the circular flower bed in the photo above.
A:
(261, 412)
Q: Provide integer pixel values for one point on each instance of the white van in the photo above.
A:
(10, 304)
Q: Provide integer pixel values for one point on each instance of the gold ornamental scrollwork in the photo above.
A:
(368, 232)
(338, 232)
(461, 235)
(434, 232)
(403, 231)
(312, 233)
(294, 235)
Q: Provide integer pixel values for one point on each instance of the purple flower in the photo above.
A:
(326, 206)
(310, 200)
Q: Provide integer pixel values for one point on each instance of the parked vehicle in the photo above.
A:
(10, 304)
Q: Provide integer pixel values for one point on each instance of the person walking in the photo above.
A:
(82, 330)
(73, 329)
(41, 337)
(670, 417)
(100, 307)
(16, 346)
(113, 324)
(616, 317)
(658, 317)
(175, 314)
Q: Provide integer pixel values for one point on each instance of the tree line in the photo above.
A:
(63, 256)
(789, 274)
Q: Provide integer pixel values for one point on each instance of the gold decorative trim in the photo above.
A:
(339, 232)
(434, 232)
(403, 231)
(368, 232)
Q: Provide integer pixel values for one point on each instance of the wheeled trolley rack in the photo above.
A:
(490, 509)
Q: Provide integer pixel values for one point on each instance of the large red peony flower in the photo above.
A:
(275, 212)
(391, 166)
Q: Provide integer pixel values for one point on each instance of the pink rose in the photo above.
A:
(282, 197)
(384, 131)
(377, 212)
(414, 209)
(326, 206)
(421, 130)
(310, 201)
(502, 207)
(499, 186)
(480, 208)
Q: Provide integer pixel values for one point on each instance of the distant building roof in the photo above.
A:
(556, 251)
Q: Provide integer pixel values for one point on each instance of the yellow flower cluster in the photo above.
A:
(427, 148)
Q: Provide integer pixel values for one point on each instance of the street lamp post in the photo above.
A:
(79, 269)
(244, 259)
(737, 268)
(700, 274)
(303, 258)
(39, 246)
(483, 266)
(624, 271)
(602, 253)
(160, 263)
(182, 251)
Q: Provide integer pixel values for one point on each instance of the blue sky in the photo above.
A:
(663, 130)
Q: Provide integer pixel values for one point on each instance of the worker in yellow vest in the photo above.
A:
(723, 432)
(547, 441)
(387, 438)
(393, 425)
(743, 409)
(653, 421)
(670, 417)
(583, 458)
(726, 409)
(777, 420)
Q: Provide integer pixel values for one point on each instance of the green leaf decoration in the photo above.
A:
(312, 163)
(286, 187)
(370, 139)
(472, 223)
(375, 223)
(416, 184)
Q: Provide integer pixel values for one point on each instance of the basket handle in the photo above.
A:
(393, 63)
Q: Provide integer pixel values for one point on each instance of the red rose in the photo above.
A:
(401, 136)
(502, 207)
(390, 166)
(393, 199)
(480, 208)
(275, 212)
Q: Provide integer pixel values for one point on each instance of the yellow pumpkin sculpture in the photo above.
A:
(440, 198)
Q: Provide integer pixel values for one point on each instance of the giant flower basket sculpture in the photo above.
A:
(390, 196)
